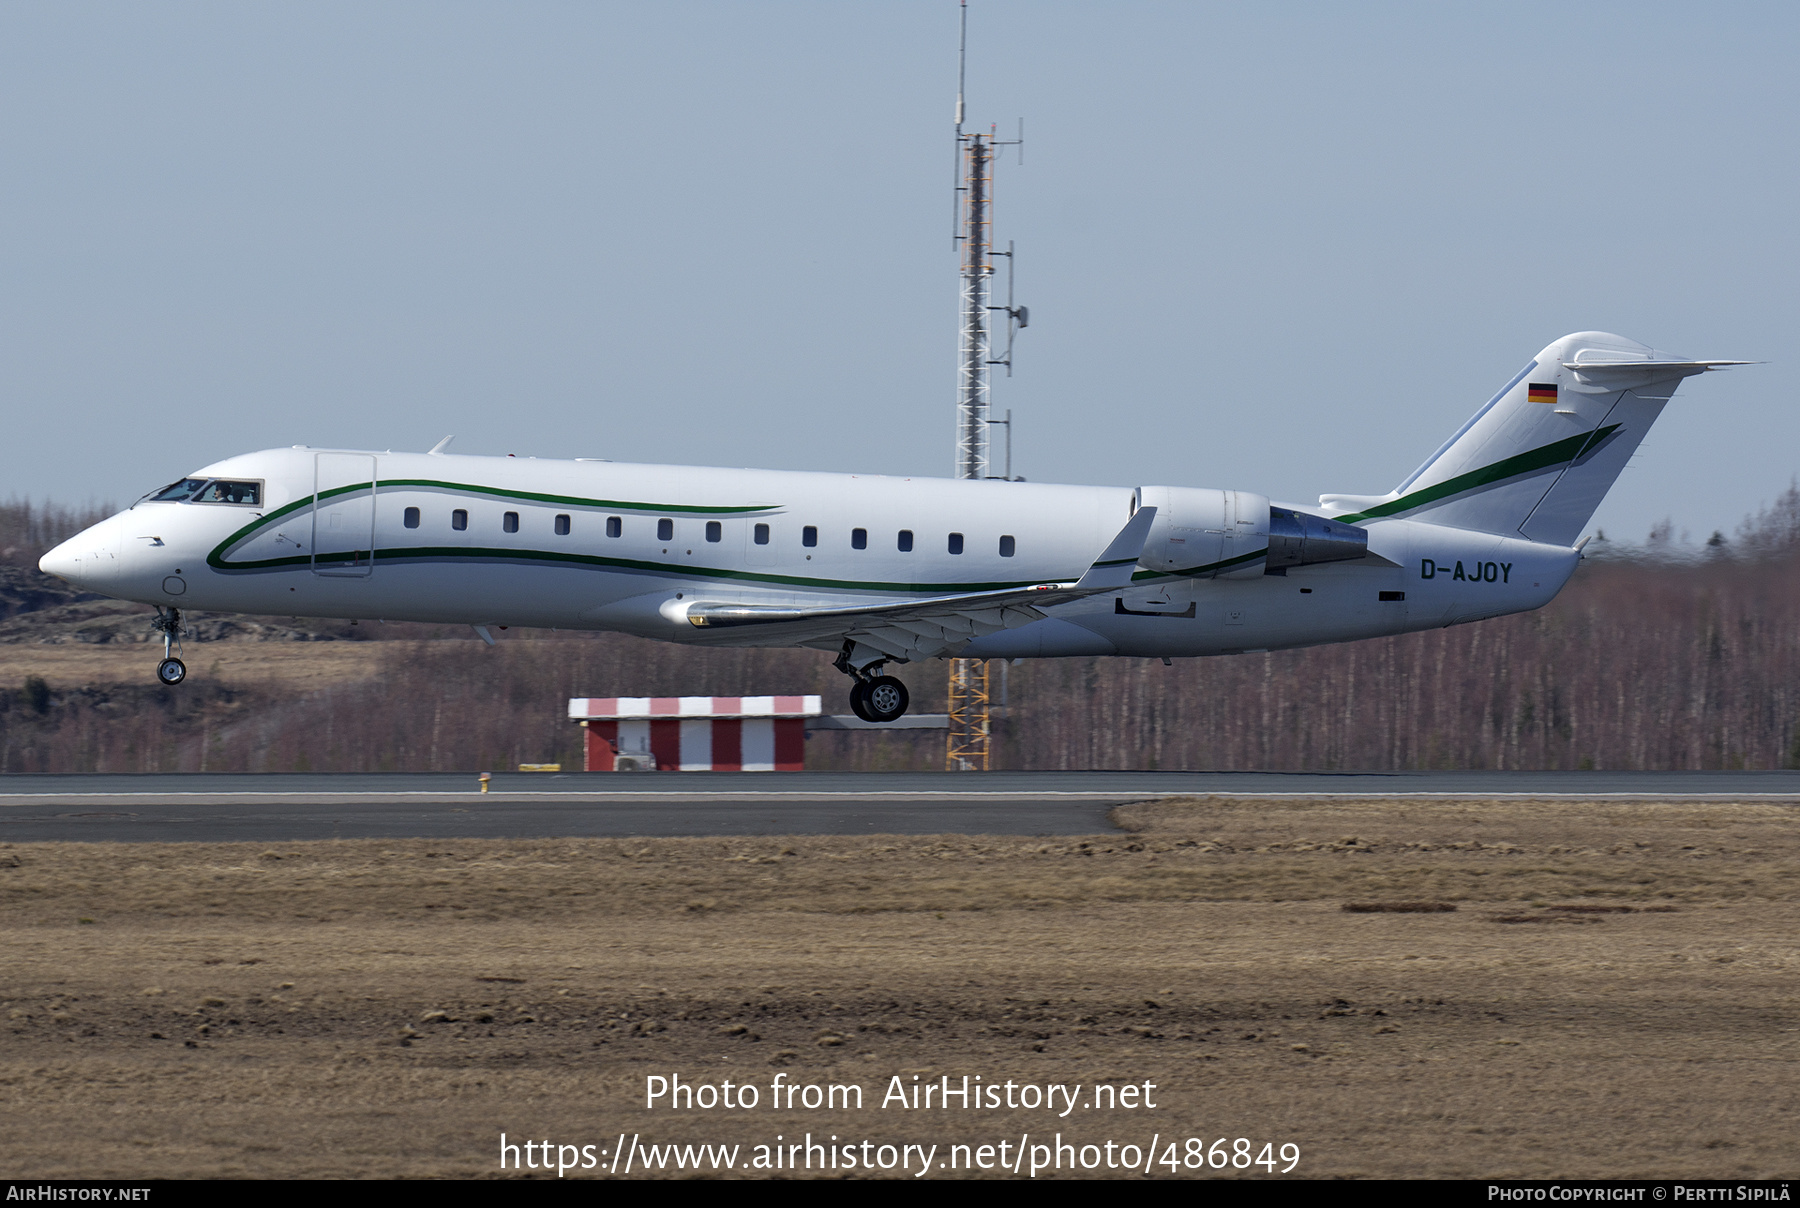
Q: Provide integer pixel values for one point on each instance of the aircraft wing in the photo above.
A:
(932, 626)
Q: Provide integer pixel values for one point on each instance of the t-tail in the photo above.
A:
(1537, 460)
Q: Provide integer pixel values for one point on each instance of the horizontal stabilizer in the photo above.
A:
(1661, 368)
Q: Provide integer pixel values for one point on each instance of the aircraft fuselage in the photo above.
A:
(612, 546)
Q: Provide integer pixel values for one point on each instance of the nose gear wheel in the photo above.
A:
(171, 670)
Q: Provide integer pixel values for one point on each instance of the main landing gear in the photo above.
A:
(171, 670)
(875, 698)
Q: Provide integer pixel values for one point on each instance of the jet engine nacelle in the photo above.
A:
(1213, 534)
(1303, 539)
(1223, 534)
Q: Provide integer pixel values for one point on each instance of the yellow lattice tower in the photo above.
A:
(970, 734)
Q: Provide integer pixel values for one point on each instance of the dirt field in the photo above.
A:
(302, 665)
(389, 1009)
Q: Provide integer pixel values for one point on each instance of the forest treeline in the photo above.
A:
(1645, 661)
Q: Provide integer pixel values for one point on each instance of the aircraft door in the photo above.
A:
(343, 524)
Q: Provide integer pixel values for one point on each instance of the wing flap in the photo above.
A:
(702, 615)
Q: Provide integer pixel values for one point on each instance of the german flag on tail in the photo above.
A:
(1538, 392)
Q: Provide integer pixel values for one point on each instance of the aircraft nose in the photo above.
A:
(86, 560)
(64, 561)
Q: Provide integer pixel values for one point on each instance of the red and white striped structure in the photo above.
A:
(697, 733)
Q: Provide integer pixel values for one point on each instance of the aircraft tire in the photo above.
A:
(886, 699)
(171, 672)
(859, 700)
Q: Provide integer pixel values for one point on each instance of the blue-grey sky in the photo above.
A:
(1281, 248)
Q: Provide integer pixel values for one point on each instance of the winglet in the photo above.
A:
(438, 449)
(1114, 566)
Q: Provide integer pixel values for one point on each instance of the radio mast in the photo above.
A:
(970, 722)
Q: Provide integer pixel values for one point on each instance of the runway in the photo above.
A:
(284, 807)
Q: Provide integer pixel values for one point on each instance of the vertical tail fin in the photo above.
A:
(1539, 457)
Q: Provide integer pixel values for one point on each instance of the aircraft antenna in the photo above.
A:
(970, 721)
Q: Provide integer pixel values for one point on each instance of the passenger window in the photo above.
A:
(761, 534)
(411, 518)
(562, 525)
(510, 522)
(714, 531)
(906, 541)
(809, 536)
(614, 526)
(859, 538)
(956, 543)
(1006, 547)
(665, 530)
(459, 520)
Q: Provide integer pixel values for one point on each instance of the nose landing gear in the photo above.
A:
(171, 670)
(874, 698)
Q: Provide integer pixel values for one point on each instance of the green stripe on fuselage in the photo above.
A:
(614, 505)
(216, 559)
(671, 570)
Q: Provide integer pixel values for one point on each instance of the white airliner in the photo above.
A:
(886, 569)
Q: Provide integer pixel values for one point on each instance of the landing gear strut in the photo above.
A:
(875, 698)
(171, 670)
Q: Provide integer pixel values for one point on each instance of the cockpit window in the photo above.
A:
(222, 491)
(180, 490)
